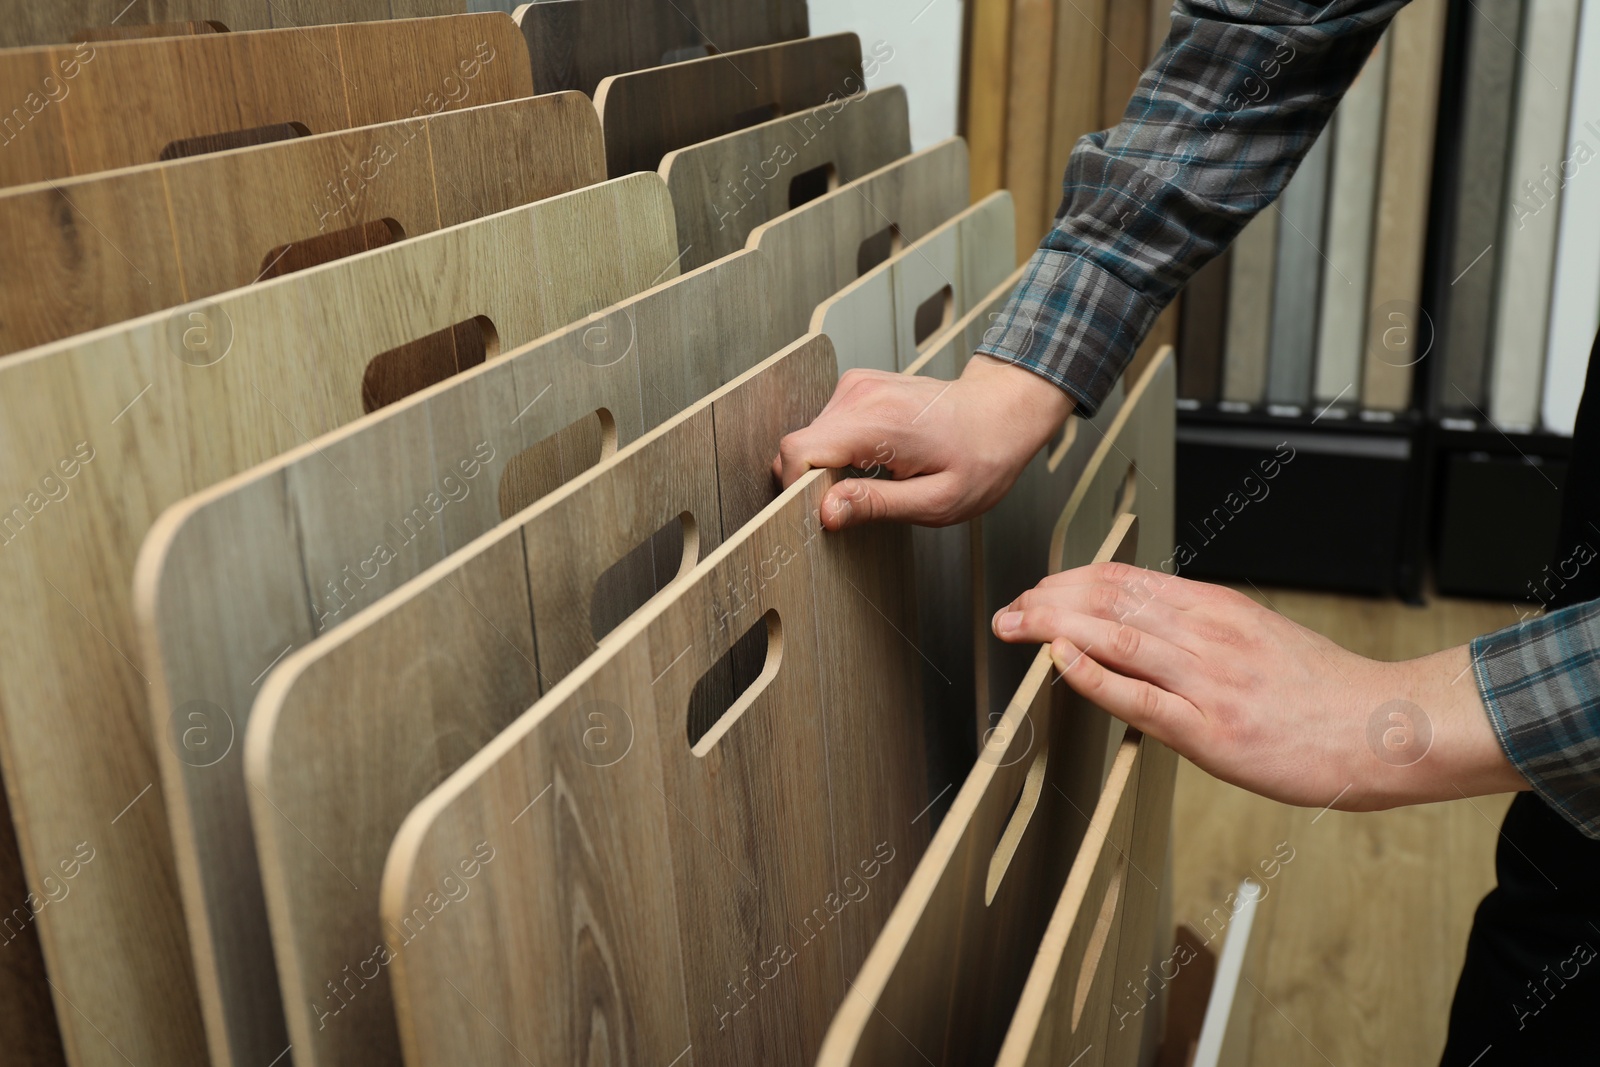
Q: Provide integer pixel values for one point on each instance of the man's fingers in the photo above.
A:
(920, 500)
(1130, 649)
(1146, 707)
(822, 444)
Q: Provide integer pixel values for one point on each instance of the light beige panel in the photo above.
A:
(718, 857)
(90, 251)
(647, 113)
(121, 103)
(816, 251)
(727, 186)
(76, 730)
(872, 321)
(380, 501)
(353, 731)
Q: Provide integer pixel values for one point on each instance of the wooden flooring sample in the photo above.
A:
(576, 43)
(633, 896)
(1101, 930)
(1352, 200)
(130, 419)
(1416, 43)
(87, 252)
(725, 187)
(1530, 221)
(882, 320)
(1297, 284)
(1575, 295)
(1244, 366)
(967, 926)
(97, 107)
(1472, 239)
(985, 77)
(355, 729)
(822, 247)
(647, 113)
(76, 20)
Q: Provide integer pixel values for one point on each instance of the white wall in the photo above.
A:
(926, 38)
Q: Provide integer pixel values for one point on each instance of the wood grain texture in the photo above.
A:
(1029, 151)
(727, 186)
(1416, 41)
(986, 85)
(87, 252)
(647, 887)
(1254, 252)
(1342, 317)
(1126, 40)
(1530, 219)
(817, 250)
(1297, 281)
(140, 423)
(1575, 289)
(101, 106)
(1483, 163)
(872, 321)
(967, 927)
(360, 723)
(1204, 331)
(647, 113)
(576, 43)
(70, 20)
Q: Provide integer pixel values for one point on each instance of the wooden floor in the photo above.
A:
(1365, 926)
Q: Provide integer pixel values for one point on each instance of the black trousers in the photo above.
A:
(1529, 991)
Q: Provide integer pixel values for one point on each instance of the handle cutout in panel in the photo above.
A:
(933, 315)
(649, 567)
(327, 247)
(745, 669)
(1069, 435)
(415, 365)
(1098, 938)
(810, 184)
(553, 461)
(207, 143)
(688, 51)
(1022, 810)
(878, 248)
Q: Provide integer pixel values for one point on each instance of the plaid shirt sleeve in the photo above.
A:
(1220, 120)
(1540, 680)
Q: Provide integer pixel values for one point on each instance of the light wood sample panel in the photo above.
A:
(356, 729)
(100, 106)
(626, 899)
(71, 20)
(482, 445)
(966, 930)
(576, 43)
(87, 252)
(874, 321)
(140, 421)
(725, 187)
(816, 251)
(648, 113)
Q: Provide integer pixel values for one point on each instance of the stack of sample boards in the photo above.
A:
(409, 657)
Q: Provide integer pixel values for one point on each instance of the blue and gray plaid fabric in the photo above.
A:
(1218, 124)
(1541, 681)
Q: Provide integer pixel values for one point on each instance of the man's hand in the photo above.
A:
(1260, 701)
(953, 448)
